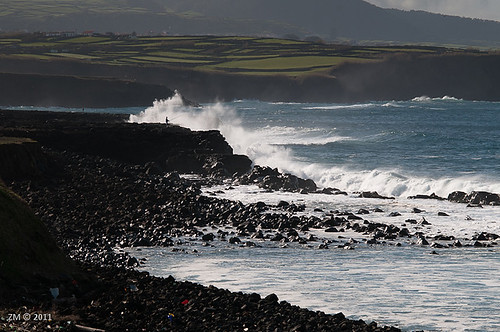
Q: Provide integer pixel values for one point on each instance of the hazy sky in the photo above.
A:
(486, 9)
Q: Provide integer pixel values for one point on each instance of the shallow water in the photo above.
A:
(407, 287)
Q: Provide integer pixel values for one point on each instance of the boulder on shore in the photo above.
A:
(272, 179)
(475, 197)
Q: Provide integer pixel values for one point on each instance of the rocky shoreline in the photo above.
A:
(93, 204)
(95, 200)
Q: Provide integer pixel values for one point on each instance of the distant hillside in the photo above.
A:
(344, 20)
(351, 20)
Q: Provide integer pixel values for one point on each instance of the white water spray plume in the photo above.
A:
(265, 146)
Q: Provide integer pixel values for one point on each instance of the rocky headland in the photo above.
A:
(98, 184)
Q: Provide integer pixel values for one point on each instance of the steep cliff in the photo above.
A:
(167, 147)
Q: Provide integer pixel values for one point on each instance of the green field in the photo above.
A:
(240, 55)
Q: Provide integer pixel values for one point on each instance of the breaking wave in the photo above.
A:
(272, 146)
(427, 99)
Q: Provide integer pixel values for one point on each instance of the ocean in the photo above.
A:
(397, 148)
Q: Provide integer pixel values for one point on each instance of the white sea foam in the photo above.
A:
(337, 107)
(393, 183)
(267, 146)
(284, 135)
(427, 99)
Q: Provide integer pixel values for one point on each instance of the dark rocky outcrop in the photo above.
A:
(21, 158)
(272, 179)
(475, 198)
(373, 194)
(168, 147)
(431, 196)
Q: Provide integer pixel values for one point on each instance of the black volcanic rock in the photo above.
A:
(272, 179)
(457, 196)
(171, 148)
(475, 198)
(373, 194)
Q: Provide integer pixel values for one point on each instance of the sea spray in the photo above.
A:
(285, 140)
(216, 117)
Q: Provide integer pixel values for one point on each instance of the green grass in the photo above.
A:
(243, 55)
(177, 54)
(402, 50)
(74, 56)
(32, 56)
(169, 60)
(85, 40)
(38, 44)
(283, 63)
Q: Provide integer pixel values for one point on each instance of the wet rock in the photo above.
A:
(478, 244)
(484, 236)
(431, 196)
(208, 237)
(373, 194)
(458, 197)
(282, 204)
(444, 237)
(404, 232)
(234, 240)
(475, 198)
(132, 261)
(332, 191)
(272, 179)
(483, 198)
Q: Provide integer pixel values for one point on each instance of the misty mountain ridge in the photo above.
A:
(353, 21)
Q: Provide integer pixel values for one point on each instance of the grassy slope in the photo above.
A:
(27, 252)
(242, 55)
